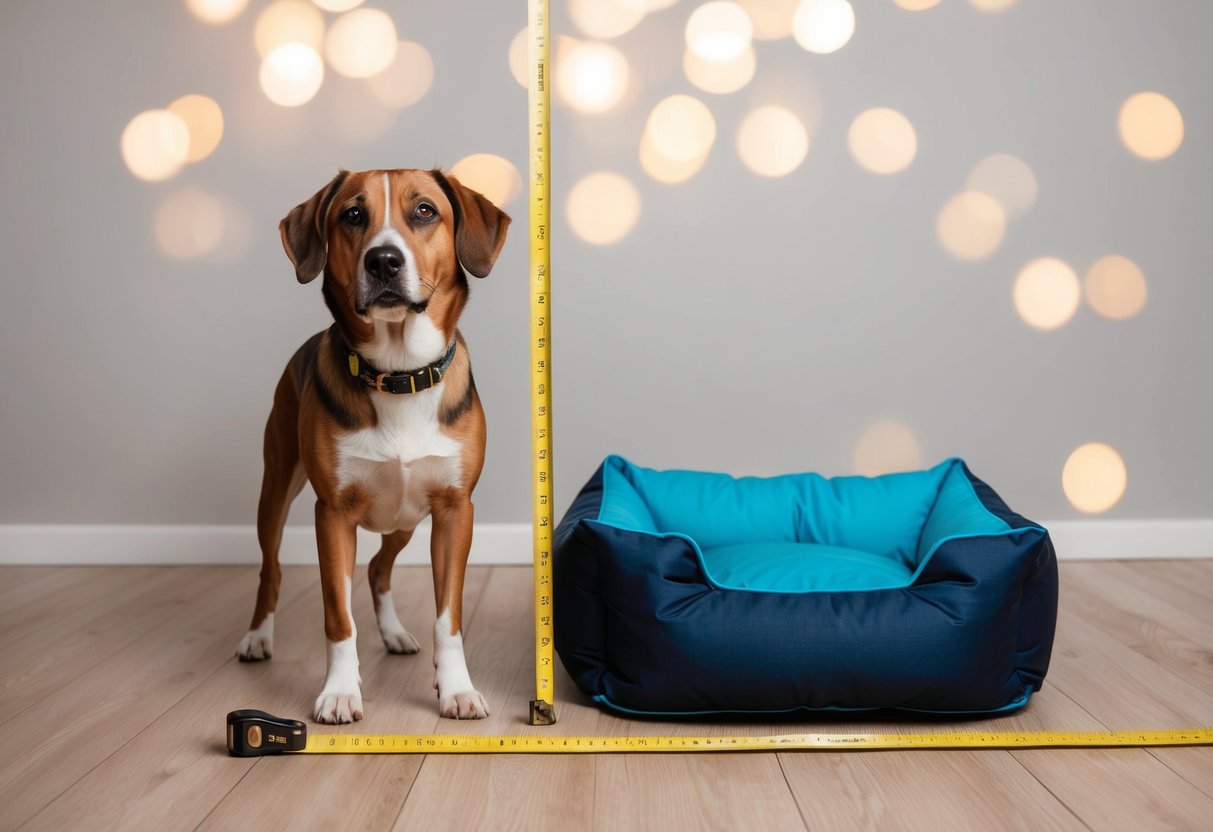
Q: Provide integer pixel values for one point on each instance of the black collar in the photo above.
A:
(404, 382)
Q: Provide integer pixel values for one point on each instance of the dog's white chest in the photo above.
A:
(400, 461)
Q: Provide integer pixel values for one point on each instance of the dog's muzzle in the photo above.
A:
(384, 281)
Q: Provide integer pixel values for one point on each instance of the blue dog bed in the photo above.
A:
(680, 593)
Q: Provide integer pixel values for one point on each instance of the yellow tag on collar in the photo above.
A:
(353, 364)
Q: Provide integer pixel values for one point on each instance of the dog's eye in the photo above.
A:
(425, 211)
(352, 216)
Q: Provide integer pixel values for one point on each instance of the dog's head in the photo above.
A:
(393, 241)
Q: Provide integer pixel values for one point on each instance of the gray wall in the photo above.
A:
(746, 324)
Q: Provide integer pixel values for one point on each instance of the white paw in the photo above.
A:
(338, 708)
(468, 704)
(258, 644)
(401, 641)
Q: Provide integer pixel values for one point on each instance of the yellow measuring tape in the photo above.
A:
(254, 733)
(543, 710)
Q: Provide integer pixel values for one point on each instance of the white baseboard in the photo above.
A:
(493, 543)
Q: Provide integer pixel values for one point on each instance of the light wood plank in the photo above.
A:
(83, 636)
(514, 792)
(74, 589)
(60, 739)
(398, 696)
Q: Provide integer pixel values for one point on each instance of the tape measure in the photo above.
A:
(543, 710)
(256, 733)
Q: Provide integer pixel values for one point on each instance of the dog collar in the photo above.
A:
(404, 382)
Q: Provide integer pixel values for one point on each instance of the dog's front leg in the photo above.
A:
(341, 699)
(449, 546)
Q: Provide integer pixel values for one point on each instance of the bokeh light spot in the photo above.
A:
(216, 12)
(592, 77)
(720, 76)
(971, 225)
(681, 128)
(1047, 293)
(605, 18)
(603, 208)
(1150, 125)
(1094, 478)
(361, 43)
(992, 6)
(155, 144)
(1115, 287)
(772, 142)
(491, 175)
(886, 447)
(719, 31)
(882, 141)
(917, 5)
(1008, 180)
(189, 224)
(771, 19)
(338, 5)
(291, 74)
(204, 120)
(288, 21)
(664, 169)
(823, 26)
(407, 78)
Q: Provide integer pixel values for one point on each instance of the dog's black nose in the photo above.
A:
(384, 262)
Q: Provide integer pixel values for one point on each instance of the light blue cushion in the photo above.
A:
(801, 567)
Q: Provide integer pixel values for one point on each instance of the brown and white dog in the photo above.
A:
(380, 413)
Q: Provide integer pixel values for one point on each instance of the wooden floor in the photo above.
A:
(116, 681)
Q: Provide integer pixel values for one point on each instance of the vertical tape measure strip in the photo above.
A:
(539, 99)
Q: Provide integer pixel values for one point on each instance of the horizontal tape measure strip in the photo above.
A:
(462, 744)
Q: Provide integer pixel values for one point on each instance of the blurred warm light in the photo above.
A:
(882, 140)
(188, 224)
(1094, 478)
(603, 208)
(772, 19)
(823, 26)
(288, 21)
(1008, 180)
(681, 128)
(772, 141)
(361, 43)
(520, 59)
(337, 5)
(357, 115)
(606, 18)
(204, 120)
(992, 6)
(719, 76)
(407, 78)
(155, 144)
(1047, 293)
(291, 74)
(917, 5)
(592, 77)
(664, 169)
(885, 448)
(970, 226)
(1151, 126)
(719, 31)
(216, 11)
(491, 175)
(1115, 287)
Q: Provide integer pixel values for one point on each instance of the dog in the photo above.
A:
(380, 414)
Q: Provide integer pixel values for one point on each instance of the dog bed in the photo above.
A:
(680, 593)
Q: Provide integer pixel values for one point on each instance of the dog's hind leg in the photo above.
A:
(379, 575)
(283, 480)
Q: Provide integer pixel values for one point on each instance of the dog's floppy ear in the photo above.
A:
(480, 225)
(302, 232)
